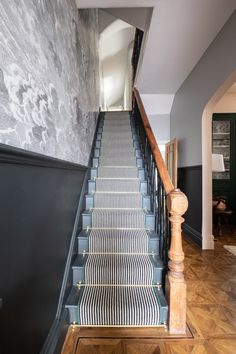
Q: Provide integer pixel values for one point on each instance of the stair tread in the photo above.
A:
(119, 306)
(111, 241)
(117, 269)
(151, 234)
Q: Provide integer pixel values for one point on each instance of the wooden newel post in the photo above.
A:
(177, 204)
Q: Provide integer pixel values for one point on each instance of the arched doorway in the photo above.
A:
(207, 237)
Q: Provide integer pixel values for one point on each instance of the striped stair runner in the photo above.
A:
(118, 287)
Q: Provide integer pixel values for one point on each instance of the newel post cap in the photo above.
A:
(177, 202)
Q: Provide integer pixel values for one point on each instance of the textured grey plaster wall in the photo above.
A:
(49, 81)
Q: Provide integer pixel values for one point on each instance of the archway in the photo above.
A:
(207, 237)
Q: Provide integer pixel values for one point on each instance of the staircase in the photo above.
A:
(118, 273)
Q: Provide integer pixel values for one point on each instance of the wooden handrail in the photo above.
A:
(177, 205)
(160, 164)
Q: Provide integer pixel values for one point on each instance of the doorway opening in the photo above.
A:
(224, 168)
(207, 177)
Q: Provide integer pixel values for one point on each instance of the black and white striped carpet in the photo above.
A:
(118, 289)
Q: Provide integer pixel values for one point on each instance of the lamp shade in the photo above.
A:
(218, 163)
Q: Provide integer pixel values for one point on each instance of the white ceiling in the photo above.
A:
(179, 34)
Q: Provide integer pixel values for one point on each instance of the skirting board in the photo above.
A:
(57, 335)
(193, 234)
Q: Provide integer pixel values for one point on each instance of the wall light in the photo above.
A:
(218, 163)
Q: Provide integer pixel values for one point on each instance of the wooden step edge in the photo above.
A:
(71, 341)
(160, 332)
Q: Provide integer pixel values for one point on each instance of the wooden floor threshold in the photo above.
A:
(128, 332)
(77, 333)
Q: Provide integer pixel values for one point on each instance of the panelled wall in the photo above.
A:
(39, 199)
(49, 103)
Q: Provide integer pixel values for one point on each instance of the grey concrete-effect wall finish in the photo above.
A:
(215, 66)
(49, 77)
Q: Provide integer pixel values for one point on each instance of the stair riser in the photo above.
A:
(98, 144)
(93, 172)
(136, 152)
(163, 307)
(134, 143)
(140, 173)
(89, 202)
(87, 221)
(153, 245)
(130, 122)
(83, 245)
(92, 187)
(79, 274)
(139, 162)
(111, 129)
(150, 222)
(133, 135)
(73, 314)
(126, 120)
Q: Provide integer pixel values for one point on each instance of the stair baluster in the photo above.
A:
(166, 201)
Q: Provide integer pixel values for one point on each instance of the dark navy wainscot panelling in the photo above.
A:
(38, 203)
